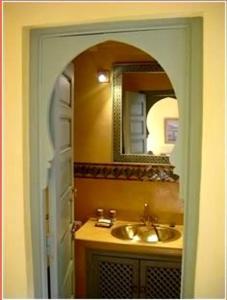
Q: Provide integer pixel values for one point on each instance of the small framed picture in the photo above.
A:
(171, 130)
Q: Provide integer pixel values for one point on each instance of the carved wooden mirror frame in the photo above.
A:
(118, 156)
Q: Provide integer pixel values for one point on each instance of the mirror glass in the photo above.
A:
(145, 113)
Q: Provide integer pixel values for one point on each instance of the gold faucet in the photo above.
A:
(149, 221)
(147, 218)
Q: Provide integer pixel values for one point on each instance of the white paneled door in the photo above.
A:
(61, 191)
(135, 123)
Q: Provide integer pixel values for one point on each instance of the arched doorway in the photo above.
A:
(52, 49)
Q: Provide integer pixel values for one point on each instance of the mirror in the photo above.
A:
(145, 113)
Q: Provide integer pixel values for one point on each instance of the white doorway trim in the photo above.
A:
(48, 60)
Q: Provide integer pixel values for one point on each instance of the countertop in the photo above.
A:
(89, 233)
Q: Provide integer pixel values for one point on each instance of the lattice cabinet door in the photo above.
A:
(113, 277)
(160, 279)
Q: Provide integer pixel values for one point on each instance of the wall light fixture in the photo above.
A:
(103, 76)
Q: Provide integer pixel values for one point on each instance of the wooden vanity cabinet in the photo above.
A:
(116, 275)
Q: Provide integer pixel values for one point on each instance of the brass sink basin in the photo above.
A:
(147, 234)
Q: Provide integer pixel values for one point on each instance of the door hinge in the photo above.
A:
(74, 191)
(48, 245)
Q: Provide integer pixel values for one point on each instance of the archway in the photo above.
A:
(52, 49)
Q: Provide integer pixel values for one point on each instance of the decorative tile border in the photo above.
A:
(140, 172)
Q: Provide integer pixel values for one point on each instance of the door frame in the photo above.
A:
(41, 152)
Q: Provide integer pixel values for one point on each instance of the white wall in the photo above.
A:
(17, 242)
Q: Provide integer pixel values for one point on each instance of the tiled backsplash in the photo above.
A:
(142, 172)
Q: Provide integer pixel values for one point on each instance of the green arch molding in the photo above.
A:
(51, 49)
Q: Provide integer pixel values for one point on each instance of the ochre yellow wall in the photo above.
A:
(17, 243)
(135, 82)
(93, 131)
(128, 198)
(93, 126)
(93, 117)
(93, 110)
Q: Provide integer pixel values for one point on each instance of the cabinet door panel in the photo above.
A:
(160, 279)
(113, 278)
